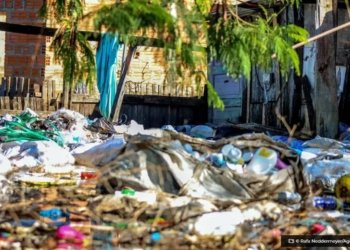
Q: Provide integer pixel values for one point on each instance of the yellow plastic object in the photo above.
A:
(342, 188)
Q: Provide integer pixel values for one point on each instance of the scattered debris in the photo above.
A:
(71, 183)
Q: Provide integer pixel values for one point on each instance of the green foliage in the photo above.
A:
(135, 16)
(71, 47)
(239, 45)
(213, 97)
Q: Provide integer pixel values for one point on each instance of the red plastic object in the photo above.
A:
(88, 175)
(317, 228)
(276, 233)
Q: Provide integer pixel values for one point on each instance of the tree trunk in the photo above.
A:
(326, 103)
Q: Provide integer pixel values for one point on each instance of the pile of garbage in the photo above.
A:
(68, 182)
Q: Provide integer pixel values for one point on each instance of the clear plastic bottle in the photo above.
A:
(263, 161)
(231, 153)
(289, 197)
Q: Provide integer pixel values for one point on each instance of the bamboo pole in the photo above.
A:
(323, 34)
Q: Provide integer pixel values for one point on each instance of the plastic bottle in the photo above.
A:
(188, 148)
(329, 203)
(263, 161)
(247, 156)
(289, 197)
(217, 159)
(231, 153)
(53, 214)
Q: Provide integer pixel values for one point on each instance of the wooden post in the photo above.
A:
(326, 103)
(343, 113)
(65, 95)
(117, 105)
(44, 96)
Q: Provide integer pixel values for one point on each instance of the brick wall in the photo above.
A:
(31, 56)
(24, 54)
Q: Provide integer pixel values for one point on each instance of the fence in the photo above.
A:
(151, 105)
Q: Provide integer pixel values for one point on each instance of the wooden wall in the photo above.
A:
(18, 93)
(152, 110)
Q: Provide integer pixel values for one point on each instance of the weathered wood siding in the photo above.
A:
(18, 93)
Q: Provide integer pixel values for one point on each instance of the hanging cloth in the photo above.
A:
(106, 64)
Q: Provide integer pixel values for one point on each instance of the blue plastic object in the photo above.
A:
(53, 214)
(156, 236)
(292, 142)
(106, 62)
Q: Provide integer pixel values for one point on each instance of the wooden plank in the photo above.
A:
(26, 91)
(20, 86)
(345, 96)
(26, 87)
(37, 90)
(32, 103)
(7, 102)
(91, 36)
(2, 102)
(121, 85)
(54, 88)
(15, 105)
(75, 107)
(3, 86)
(308, 100)
(297, 102)
(326, 102)
(164, 100)
(8, 86)
(26, 101)
(13, 87)
(49, 94)
(20, 102)
(44, 96)
(12, 92)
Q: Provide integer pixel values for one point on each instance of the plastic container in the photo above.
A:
(231, 153)
(325, 173)
(68, 233)
(342, 188)
(188, 148)
(88, 175)
(217, 159)
(263, 161)
(247, 156)
(53, 213)
(327, 203)
(289, 197)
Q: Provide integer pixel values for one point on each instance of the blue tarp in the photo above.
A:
(106, 64)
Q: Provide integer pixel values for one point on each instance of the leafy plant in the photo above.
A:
(206, 27)
(71, 47)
